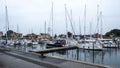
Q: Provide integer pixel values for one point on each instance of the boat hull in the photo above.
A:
(90, 47)
(53, 45)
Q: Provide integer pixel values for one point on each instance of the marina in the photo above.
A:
(59, 34)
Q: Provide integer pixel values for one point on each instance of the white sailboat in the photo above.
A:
(91, 44)
(69, 40)
(7, 25)
(108, 43)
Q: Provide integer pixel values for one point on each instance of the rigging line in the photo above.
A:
(66, 21)
(101, 24)
(90, 30)
(50, 25)
(7, 20)
(7, 23)
(52, 19)
(45, 29)
(70, 21)
(79, 26)
(85, 21)
(49, 20)
(97, 26)
(18, 30)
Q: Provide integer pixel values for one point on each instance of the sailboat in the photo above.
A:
(89, 44)
(61, 42)
(54, 42)
(70, 41)
(7, 24)
(6, 41)
(107, 43)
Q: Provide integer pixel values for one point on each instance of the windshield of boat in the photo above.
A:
(60, 41)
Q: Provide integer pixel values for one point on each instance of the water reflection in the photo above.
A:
(109, 56)
(28, 48)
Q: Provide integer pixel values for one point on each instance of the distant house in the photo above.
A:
(62, 36)
(1, 33)
(43, 36)
(11, 35)
(32, 35)
(16, 35)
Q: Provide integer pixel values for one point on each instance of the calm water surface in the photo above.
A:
(109, 56)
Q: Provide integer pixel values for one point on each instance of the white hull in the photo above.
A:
(90, 46)
(35, 43)
(110, 46)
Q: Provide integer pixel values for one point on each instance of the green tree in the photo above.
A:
(114, 32)
(9, 33)
(55, 36)
(69, 34)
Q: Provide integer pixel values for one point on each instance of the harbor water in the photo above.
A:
(109, 56)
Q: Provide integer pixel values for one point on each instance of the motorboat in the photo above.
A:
(56, 43)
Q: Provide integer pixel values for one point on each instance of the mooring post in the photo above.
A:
(42, 55)
(77, 53)
(118, 43)
(93, 52)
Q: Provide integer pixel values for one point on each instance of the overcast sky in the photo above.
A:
(31, 15)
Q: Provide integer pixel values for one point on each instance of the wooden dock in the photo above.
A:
(42, 52)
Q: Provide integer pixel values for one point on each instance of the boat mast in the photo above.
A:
(98, 21)
(31, 30)
(7, 23)
(71, 21)
(79, 28)
(90, 30)
(98, 18)
(101, 24)
(97, 26)
(18, 28)
(7, 20)
(45, 29)
(52, 19)
(66, 22)
(85, 23)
